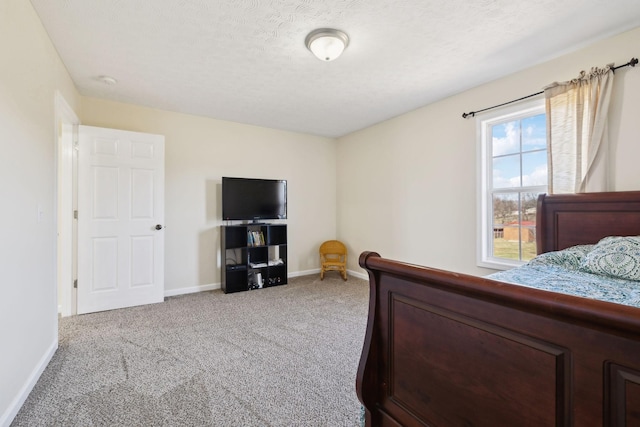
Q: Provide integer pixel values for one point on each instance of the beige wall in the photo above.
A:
(30, 73)
(198, 153)
(408, 186)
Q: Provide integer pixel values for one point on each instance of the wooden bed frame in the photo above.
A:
(449, 349)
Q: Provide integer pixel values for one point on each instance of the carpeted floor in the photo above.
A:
(282, 356)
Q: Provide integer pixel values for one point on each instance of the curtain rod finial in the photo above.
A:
(633, 62)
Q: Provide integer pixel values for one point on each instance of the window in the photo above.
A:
(513, 168)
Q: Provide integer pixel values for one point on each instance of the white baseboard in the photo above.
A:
(358, 274)
(304, 273)
(191, 290)
(214, 286)
(21, 397)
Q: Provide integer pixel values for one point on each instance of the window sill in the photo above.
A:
(498, 264)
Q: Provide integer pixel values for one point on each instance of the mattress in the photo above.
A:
(585, 271)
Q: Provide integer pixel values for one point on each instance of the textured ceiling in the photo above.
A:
(245, 60)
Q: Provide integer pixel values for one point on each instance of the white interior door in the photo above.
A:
(120, 219)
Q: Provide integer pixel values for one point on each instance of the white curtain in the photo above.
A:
(577, 132)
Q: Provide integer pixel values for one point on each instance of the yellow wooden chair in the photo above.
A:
(333, 257)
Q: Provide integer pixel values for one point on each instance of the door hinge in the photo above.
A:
(75, 214)
(75, 284)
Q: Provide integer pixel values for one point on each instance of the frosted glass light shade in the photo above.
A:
(327, 44)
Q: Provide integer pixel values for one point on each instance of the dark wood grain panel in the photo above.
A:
(623, 386)
(579, 228)
(566, 220)
(512, 378)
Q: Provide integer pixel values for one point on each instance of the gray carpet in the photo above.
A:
(282, 356)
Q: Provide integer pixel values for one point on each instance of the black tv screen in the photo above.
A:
(253, 199)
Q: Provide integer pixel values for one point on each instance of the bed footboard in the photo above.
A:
(448, 349)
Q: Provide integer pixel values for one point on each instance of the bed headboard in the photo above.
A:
(565, 220)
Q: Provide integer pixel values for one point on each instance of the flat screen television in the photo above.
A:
(253, 199)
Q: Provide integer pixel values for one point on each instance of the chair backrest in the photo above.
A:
(333, 247)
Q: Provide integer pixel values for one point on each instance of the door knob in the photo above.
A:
(158, 227)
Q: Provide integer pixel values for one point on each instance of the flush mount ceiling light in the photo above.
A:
(326, 43)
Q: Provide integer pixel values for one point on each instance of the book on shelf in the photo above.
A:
(255, 238)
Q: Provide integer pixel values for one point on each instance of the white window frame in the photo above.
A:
(485, 179)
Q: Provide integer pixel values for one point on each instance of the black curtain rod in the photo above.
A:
(632, 63)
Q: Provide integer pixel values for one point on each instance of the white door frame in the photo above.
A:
(65, 119)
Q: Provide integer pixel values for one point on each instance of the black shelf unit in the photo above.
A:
(255, 256)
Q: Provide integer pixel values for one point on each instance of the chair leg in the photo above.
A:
(321, 274)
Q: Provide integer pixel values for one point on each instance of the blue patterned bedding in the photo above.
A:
(607, 271)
